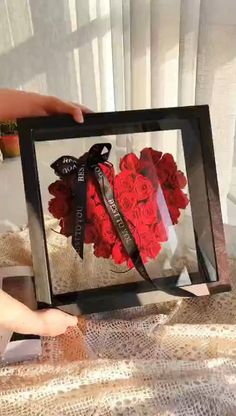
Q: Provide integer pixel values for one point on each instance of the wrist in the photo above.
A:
(39, 323)
(23, 323)
(31, 322)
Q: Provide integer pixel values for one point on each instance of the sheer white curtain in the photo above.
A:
(123, 54)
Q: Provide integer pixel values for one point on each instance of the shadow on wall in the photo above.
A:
(53, 41)
(48, 51)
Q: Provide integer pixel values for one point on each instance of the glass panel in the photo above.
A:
(151, 193)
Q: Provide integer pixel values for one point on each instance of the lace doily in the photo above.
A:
(176, 358)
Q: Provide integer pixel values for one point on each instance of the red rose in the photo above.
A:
(97, 198)
(172, 181)
(174, 213)
(150, 245)
(59, 189)
(91, 187)
(66, 226)
(127, 201)
(108, 170)
(135, 233)
(124, 182)
(148, 170)
(180, 199)
(152, 249)
(119, 254)
(59, 207)
(150, 154)
(143, 188)
(130, 162)
(181, 179)
(130, 263)
(151, 237)
(173, 199)
(108, 232)
(138, 238)
(142, 239)
(132, 228)
(148, 211)
(167, 163)
(100, 212)
(159, 232)
(142, 235)
(91, 234)
(90, 210)
(93, 192)
(177, 180)
(162, 174)
(102, 250)
(133, 215)
(169, 196)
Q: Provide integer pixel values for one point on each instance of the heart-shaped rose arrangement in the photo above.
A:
(135, 190)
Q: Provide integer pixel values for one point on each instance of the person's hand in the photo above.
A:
(16, 104)
(53, 322)
(17, 317)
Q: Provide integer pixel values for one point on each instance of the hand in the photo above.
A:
(17, 317)
(16, 104)
(53, 322)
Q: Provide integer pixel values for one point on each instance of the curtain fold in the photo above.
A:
(215, 83)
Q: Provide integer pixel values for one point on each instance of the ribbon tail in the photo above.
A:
(127, 238)
(163, 285)
(80, 200)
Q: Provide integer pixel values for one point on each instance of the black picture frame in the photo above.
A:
(195, 126)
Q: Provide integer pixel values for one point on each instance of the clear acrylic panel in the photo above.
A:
(148, 174)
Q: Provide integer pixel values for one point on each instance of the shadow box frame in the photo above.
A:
(195, 126)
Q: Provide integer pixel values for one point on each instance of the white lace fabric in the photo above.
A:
(175, 358)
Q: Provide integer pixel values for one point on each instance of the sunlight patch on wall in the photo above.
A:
(96, 72)
(20, 25)
(77, 72)
(73, 16)
(106, 61)
(5, 30)
(92, 9)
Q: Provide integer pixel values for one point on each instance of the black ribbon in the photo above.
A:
(67, 165)
(80, 168)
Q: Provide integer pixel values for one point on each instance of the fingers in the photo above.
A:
(71, 320)
(16, 104)
(78, 112)
(56, 106)
(53, 322)
(85, 110)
